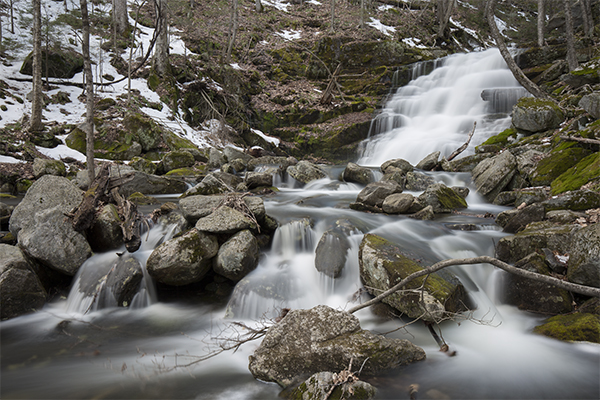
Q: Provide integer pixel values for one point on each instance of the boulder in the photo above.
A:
(305, 342)
(42, 166)
(280, 162)
(216, 158)
(125, 279)
(576, 327)
(534, 238)
(536, 115)
(258, 179)
(196, 207)
(305, 172)
(396, 175)
(591, 104)
(375, 193)
(231, 153)
(534, 296)
(143, 165)
(225, 220)
(58, 63)
(137, 181)
(398, 203)
(184, 259)
(357, 174)
(528, 161)
(492, 175)
(584, 256)
(550, 167)
(584, 171)
(576, 200)
(106, 232)
(429, 162)
(416, 181)
(398, 163)
(237, 256)
(382, 264)
(530, 196)
(424, 214)
(21, 291)
(320, 385)
(442, 198)
(177, 159)
(211, 184)
(331, 253)
(140, 199)
(229, 179)
(521, 218)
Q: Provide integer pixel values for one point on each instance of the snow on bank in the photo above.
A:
(385, 29)
(289, 34)
(269, 139)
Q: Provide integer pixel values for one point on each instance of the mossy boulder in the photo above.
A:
(382, 264)
(576, 200)
(143, 165)
(584, 260)
(141, 199)
(577, 327)
(177, 159)
(323, 385)
(175, 142)
(536, 115)
(59, 63)
(591, 104)
(146, 132)
(42, 166)
(583, 172)
(555, 164)
(442, 198)
(123, 148)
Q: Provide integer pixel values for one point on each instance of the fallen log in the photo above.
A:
(83, 216)
(464, 146)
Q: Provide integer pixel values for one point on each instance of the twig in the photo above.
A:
(579, 139)
(464, 146)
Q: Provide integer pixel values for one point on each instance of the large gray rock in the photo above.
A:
(20, 289)
(42, 166)
(417, 181)
(429, 162)
(382, 265)
(584, 260)
(196, 207)
(535, 115)
(576, 200)
(231, 153)
(106, 232)
(258, 179)
(305, 172)
(398, 203)
(216, 158)
(184, 259)
(225, 220)
(591, 104)
(398, 163)
(492, 175)
(442, 198)
(211, 184)
(320, 386)
(331, 253)
(177, 159)
(522, 218)
(237, 256)
(375, 193)
(305, 342)
(357, 174)
(137, 181)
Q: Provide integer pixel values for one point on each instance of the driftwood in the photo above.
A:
(328, 93)
(130, 221)
(84, 215)
(572, 287)
(464, 146)
(580, 139)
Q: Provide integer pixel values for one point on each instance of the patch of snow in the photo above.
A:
(61, 151)
(414, 42)
(465, 4)
(278, 4)
(264, 42)
(386, 30)
(236, 66)
(289, 35)
(269, 139)
(315, 2)
(384, 7)
(562, 259)
(10, 160)
(500, 24)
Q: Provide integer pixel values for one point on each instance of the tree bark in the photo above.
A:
(233, 29)
(332, 16)
(541, 23)
(572, 287)
(258, 6)
(35, 124)
(571, 55)
(120, 17)
(161, 50)
(444, 11)
(89, 91)
(510, 62)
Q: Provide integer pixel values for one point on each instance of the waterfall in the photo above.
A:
(437, 111)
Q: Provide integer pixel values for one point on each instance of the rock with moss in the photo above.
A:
(502, 139)
(46, 139)
(106, 232)
(196, 207)
(492, 175)
(357, 174)
(177, 159)
(305, 172)
(211, 184)
(536, 115)
(305, 342)
(556, 163)
(146, 131)
(417, 181)
(42, 166)
(143, 165)
(591, 104)
(442, 198)
(184, 259)
(533, 296)
(584, 256)
(586, 170)
(123, 147)
(238, 256)
(56, 63)
(382, 264)
(225, 220)
(534, 238)
(429, 162)
(576, 327)
(321, 385)
(21, 291)
(577, 200)
(141, 199)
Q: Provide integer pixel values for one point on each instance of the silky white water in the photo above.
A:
(117, 353)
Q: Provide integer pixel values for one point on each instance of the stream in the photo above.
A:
(61, 352)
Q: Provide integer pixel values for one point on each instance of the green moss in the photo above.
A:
(573, 327)
(175, 142)
(141, 199)
(536, 103)
(23, 185)
(449, 199)
(179, 172)
(585, 171)
(551, 167)
(502, 137)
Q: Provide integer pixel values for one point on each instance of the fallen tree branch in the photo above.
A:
(572, 287)
(464, 146)
(579, 139)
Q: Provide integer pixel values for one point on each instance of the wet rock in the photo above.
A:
(280, 162)
(584, 260)
(424, 214)
(305, 172)
(442, 198)
(184, 259)
(536, 115)
(143, 165)
(318, 386)
(534, 296)
(591, 104)
(357, 174)
(237, 256)
(196, 207)
(106, 232)
(417, 181)
(577, 327)
(396, 175)
(577, 200)
(177, 159)
(504, 217)
(305, 342)
(42, 166)
(556, 262)
(124, 280)
(225, 220)
(375, 193)
(492, 175)
(429, 162)
(331, 253)
(140, 199)
(382, 265)
(397, 163)
(522, 218)
(258, 179)
(398, 203)
(21, 291)
(211, 184)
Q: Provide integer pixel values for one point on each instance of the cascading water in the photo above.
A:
(128, 353)
(436, 112)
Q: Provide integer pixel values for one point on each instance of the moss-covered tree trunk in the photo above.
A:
(89, 91)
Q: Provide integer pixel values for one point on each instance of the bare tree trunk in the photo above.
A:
(571, 55)
(12, 16)
(512, 65)
(332, 16)
(587, 12)
(258, 6)
(120, 17)
(541, 23)
(161, 51)
(35, 124)
(362, 13)
(89, 91)
(233, 29)
(444, 11)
